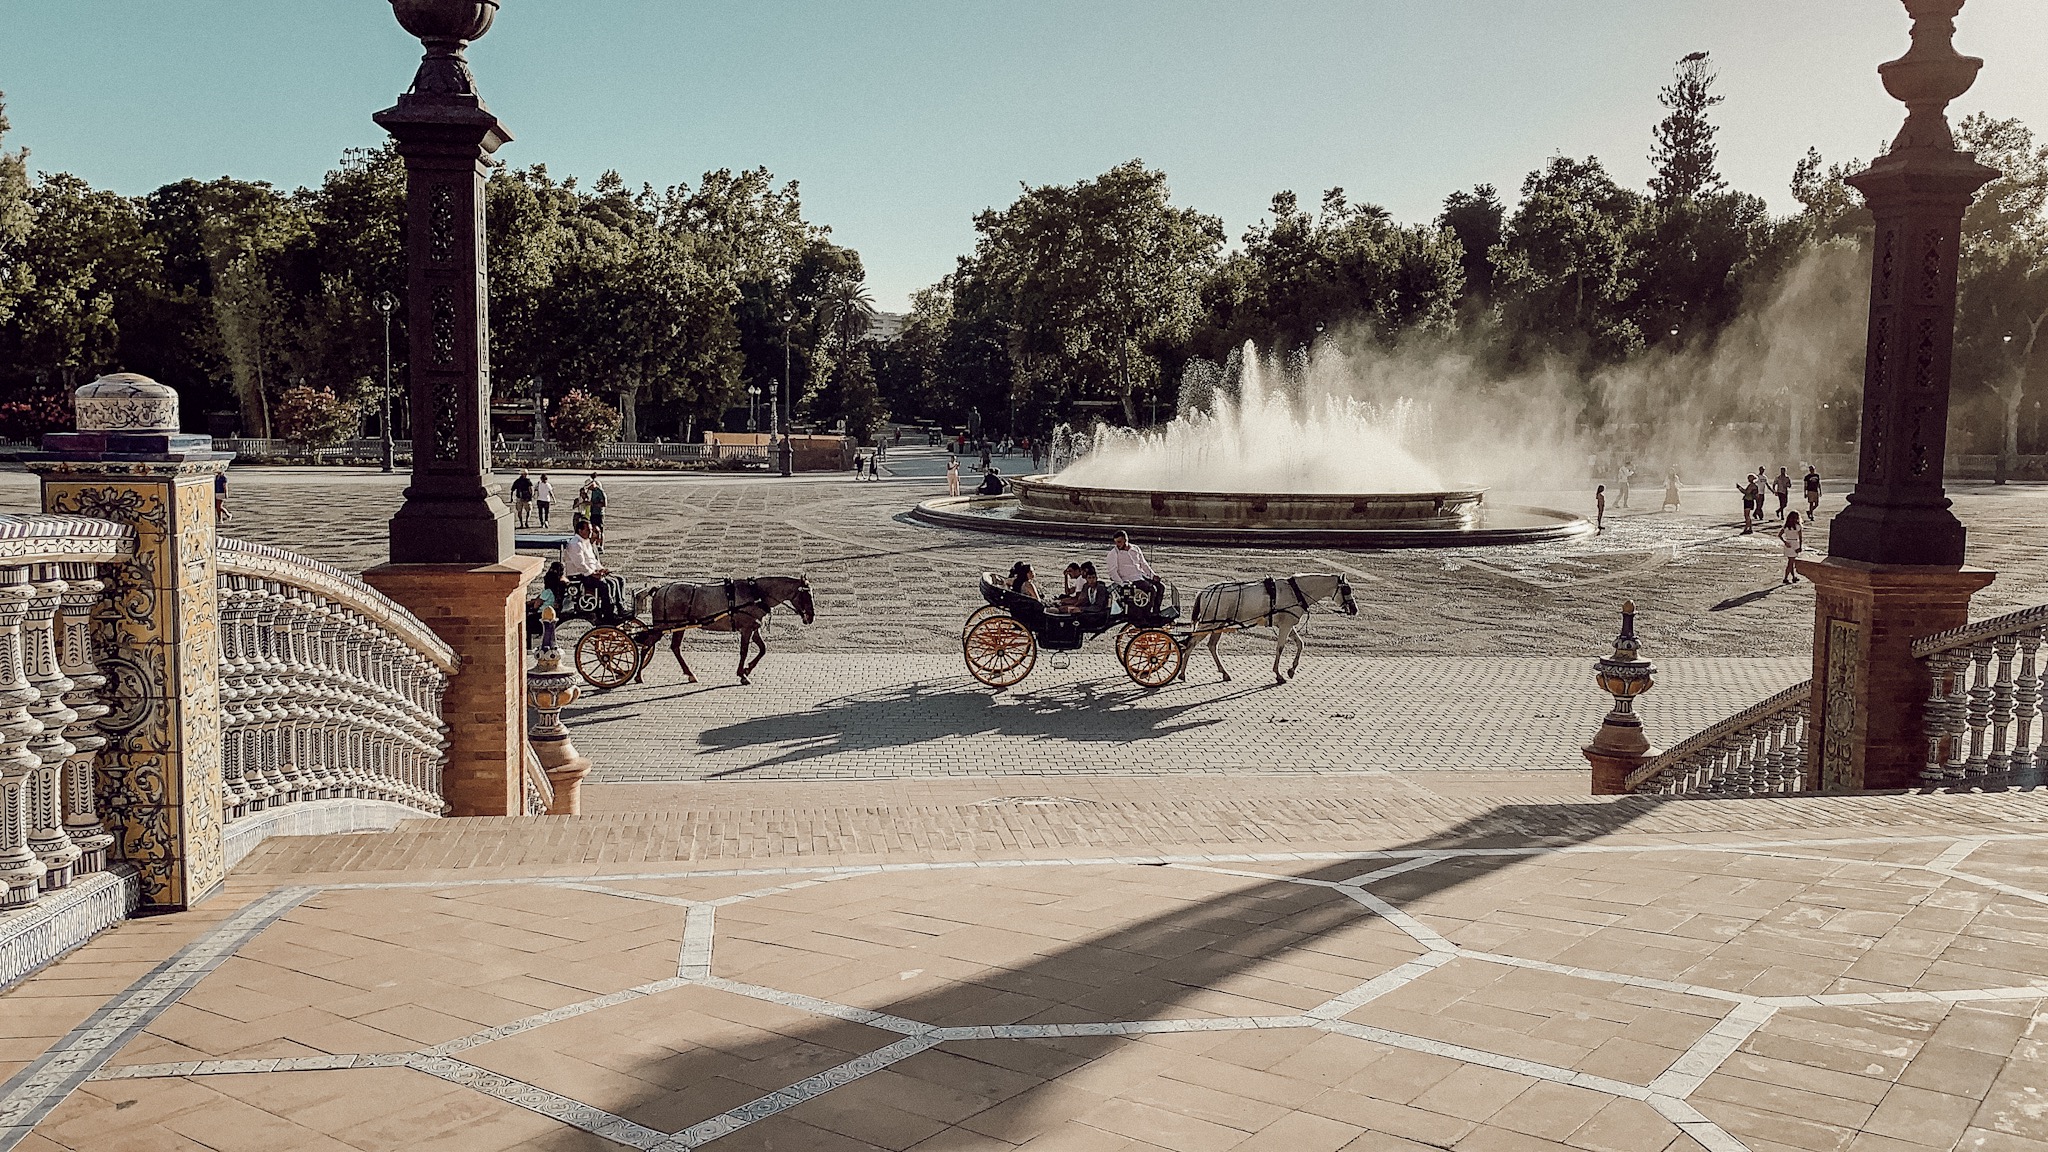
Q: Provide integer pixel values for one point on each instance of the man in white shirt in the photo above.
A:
(580, 563)
(1125, 564)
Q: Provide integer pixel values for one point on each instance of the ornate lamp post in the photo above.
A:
(452, 561)
(786, 451)
(386, 302)
(1894, 570)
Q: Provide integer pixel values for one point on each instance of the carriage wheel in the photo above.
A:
(999, 651)
(1123, 639)
(1153, 657)
(607, 657)
(980, 614)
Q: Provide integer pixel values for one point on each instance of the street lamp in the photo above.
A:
(786, 450)
(385, 303)
(753, 407)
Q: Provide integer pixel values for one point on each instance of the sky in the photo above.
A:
(901, 121)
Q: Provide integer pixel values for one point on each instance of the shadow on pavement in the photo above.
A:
(962, 1093)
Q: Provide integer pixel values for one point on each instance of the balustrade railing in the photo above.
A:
(329, 689)
(50, 826)
(1984, 701)
(1759, 750)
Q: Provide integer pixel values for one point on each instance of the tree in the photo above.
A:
(1476, 218)
(1685, 155)
(582, 422)
(14, 220)
(2003, 279)
(1828, 206)
(314, 417)
(1562, 266)
(1089, 285)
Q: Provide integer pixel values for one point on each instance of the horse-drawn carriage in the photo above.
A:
(623, 631)
(1000, 641)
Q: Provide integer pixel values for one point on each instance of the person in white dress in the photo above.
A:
(1793, 537)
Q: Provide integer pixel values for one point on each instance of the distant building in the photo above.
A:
(886, 326)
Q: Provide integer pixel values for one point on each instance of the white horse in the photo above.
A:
(1277, 602)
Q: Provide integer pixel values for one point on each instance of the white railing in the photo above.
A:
(329, 689)
(1759, 750)
(50, 826)
(1983, 703)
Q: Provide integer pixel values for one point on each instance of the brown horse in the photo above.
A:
(726, 606)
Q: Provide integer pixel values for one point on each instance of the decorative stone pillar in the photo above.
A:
(82, 593)
(21, 873)
(1894, 570)
(159, 775)
(551, 688)
(452, 562)
(46, 837)
(1620, 747)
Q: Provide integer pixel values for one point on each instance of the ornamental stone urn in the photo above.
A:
(126, 402)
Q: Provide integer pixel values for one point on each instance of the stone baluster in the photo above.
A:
(240, 696)
(270, 676)
(45, 793)
(2026, 697)
(21, 873)
(1941, 668)
(1955, 717)
(1979, 710)
(82, 594)
(1998, 765)
(301, 692)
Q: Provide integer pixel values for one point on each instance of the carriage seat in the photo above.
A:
(1056, 631)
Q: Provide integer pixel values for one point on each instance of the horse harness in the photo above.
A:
(733, 603)
(1300, 606)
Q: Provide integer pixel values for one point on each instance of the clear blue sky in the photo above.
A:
(901, 120)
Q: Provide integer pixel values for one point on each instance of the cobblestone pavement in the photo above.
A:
(1426, 970)
(847, 714)
(886, 584)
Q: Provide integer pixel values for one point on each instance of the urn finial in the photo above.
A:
(446, 27)
(1929, 75)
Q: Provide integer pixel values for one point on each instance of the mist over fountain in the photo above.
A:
(1263, 439)
(1257, 455)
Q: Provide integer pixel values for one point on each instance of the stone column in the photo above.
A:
(1620, 747)
(551, 688)
(159, 775)
(452, 562)
(1894, 570)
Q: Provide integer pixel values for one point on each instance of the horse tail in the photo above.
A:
(643, 602)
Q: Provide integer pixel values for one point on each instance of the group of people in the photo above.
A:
(1759, 486)
(1085, 592)
(991, 480)
(533, 501)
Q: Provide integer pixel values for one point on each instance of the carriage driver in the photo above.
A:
(1126, 564)
(580, 563)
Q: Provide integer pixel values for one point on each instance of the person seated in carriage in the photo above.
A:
(1022, 582)
(1091, 599)
(580, 563)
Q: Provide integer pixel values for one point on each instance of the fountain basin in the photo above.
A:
(1450, 518)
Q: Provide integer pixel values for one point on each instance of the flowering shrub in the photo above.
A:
(314, 417)
(583, 423)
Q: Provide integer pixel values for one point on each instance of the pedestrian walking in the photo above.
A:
(1749, 499)
(1781, 486)
(543, 497)
(522, 499)
(1670, 492)
(875, 464)
(221, 515)
(1600, 508)
(952, 475)
(1622, 478)
(1793, 537)
(1812, 485)
(594, 500)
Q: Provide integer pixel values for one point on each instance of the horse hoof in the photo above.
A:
(1226, 677)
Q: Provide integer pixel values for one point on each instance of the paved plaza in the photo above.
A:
(864, 903)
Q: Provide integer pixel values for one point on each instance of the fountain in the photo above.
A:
(1265, 465)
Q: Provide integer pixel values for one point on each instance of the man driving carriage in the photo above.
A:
(581, 564)
(1125, 564)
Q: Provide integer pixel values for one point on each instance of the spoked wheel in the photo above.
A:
(1153, 657)
(999, 650)
(1123, 639)
(607, 657)
(980, 614)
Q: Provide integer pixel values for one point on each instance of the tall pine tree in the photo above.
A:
(1685, 154)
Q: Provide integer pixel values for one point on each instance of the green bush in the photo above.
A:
(314, 417)
(582, 422)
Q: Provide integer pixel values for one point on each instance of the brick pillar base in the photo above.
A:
(1869, 692)
(480, 611)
